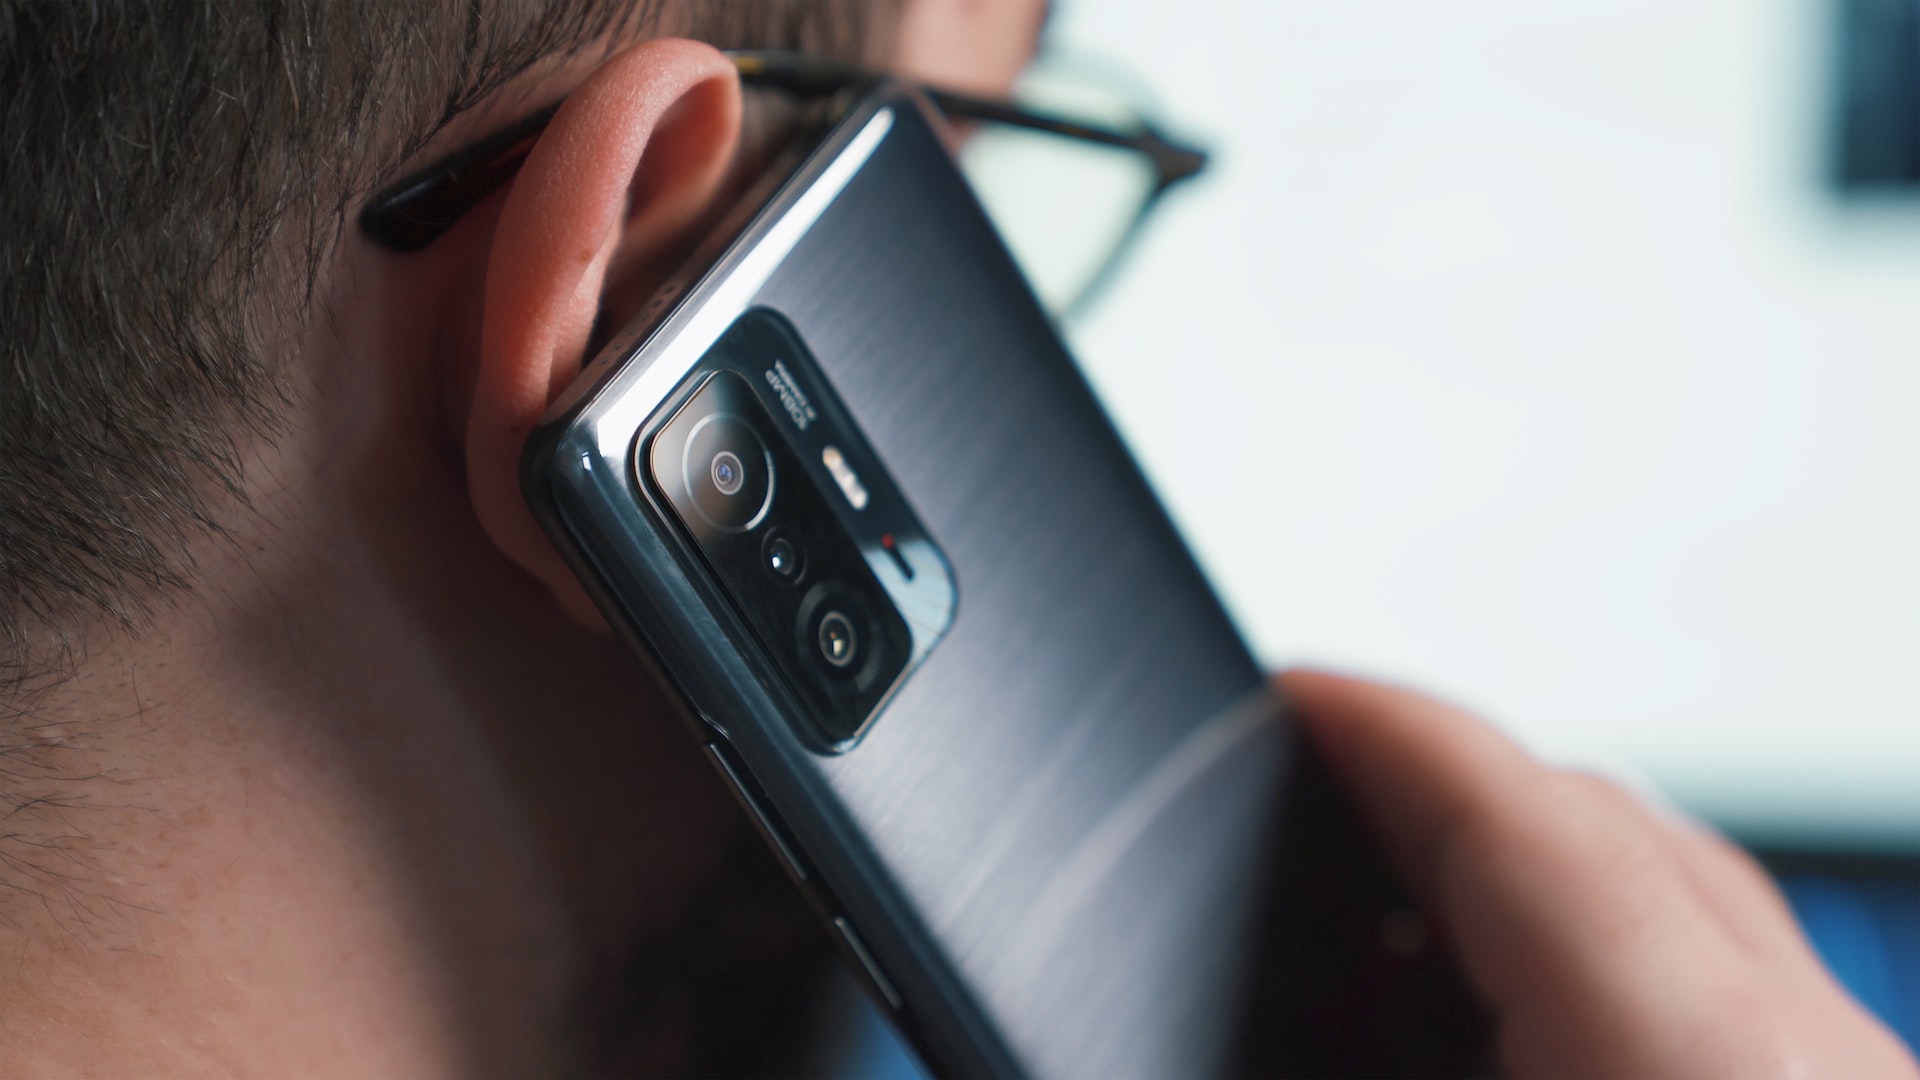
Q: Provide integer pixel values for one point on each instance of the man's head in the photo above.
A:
(290, 718)
(179, 177)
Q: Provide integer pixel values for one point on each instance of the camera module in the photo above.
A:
(792, 546)
(728, 472)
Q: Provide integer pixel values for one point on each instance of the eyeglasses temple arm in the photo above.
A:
(409, 215)
(1172, 161)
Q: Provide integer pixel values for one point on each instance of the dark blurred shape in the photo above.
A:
(1348, 980)
(1862, 912)
(1876, 139)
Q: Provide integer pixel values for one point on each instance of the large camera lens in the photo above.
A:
(728, 472)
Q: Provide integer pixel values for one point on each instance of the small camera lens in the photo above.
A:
(728, 474)
(839, 646)
(782, 556)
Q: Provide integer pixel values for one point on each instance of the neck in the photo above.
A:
(363, 775)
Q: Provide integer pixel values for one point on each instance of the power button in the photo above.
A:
(867, 963)
(737, 780)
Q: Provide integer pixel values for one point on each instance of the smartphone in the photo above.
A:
(843, 487)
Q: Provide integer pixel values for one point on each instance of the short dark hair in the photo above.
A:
(176, 175)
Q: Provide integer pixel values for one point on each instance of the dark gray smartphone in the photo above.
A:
(843, 486)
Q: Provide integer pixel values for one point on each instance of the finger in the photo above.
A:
(1736, 886)
(1728, 882)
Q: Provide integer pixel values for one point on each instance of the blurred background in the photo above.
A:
(1560, 358)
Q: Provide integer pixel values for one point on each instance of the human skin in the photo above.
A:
(377, 797)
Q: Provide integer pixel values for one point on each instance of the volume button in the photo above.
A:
(867, 963)
(735, 776)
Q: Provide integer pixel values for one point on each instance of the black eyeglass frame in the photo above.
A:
(413, 212)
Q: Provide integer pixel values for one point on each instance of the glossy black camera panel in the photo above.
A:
(798, 522)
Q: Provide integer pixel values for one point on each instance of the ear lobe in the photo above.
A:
(629, 164)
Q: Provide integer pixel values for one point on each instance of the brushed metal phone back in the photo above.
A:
(1048, 842)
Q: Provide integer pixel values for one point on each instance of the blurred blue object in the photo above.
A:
(1876, 142)
(1867, 928)
(876, 1051)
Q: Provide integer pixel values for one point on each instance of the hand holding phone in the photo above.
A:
(1609, 938)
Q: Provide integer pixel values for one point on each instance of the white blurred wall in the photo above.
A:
(1515, 350)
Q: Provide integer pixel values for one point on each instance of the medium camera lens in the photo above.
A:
(782, 556)
(728, 472)
(837, 636)
(839, 645)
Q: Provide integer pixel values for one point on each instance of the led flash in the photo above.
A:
(843, 474)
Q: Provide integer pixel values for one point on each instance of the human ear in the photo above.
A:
(632, 161)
